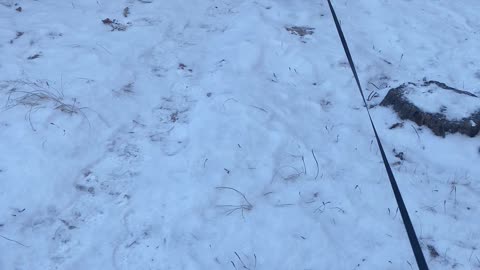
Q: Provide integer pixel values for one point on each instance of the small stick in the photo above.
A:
(11, 240)
(374, 85)
(454, 189)
(244, 266)
(205, 162)
(104, 48)
(245, 198)
(416, 132)
(304, 167)
(318, 169)
(261, 109)
(372, 95)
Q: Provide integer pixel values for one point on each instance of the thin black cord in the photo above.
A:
(412, 236)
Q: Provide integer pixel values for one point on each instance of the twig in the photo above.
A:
(261, 109)
(304, 167)
(244, 266)
(372, 95)
(416, 131)
(374, 85)
(454, 189)
(322, 207)
(245, 198)
(339, 209)
(104, 48)
(205, 162)
(275, 76)
(318, 168)
(11, 240)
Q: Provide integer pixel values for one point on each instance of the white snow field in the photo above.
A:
(189, 136)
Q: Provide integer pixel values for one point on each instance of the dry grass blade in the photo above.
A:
(243, 195)
(316, 162)
(14, 241)
(247, 206)
(40, 95)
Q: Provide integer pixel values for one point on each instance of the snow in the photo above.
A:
(434, 99)
(191, 139)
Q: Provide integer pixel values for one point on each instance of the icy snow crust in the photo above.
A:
(191, 139)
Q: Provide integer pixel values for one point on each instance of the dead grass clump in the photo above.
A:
(37, 95)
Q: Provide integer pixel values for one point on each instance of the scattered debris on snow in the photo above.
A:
(300, 30)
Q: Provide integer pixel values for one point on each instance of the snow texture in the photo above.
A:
(203, 134)
(434, 99)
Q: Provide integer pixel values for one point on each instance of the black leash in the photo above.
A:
(417, 250)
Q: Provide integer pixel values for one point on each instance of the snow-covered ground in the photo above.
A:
(201, 134)
(432, 98)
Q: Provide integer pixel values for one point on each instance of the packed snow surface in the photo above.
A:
(229, 134)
